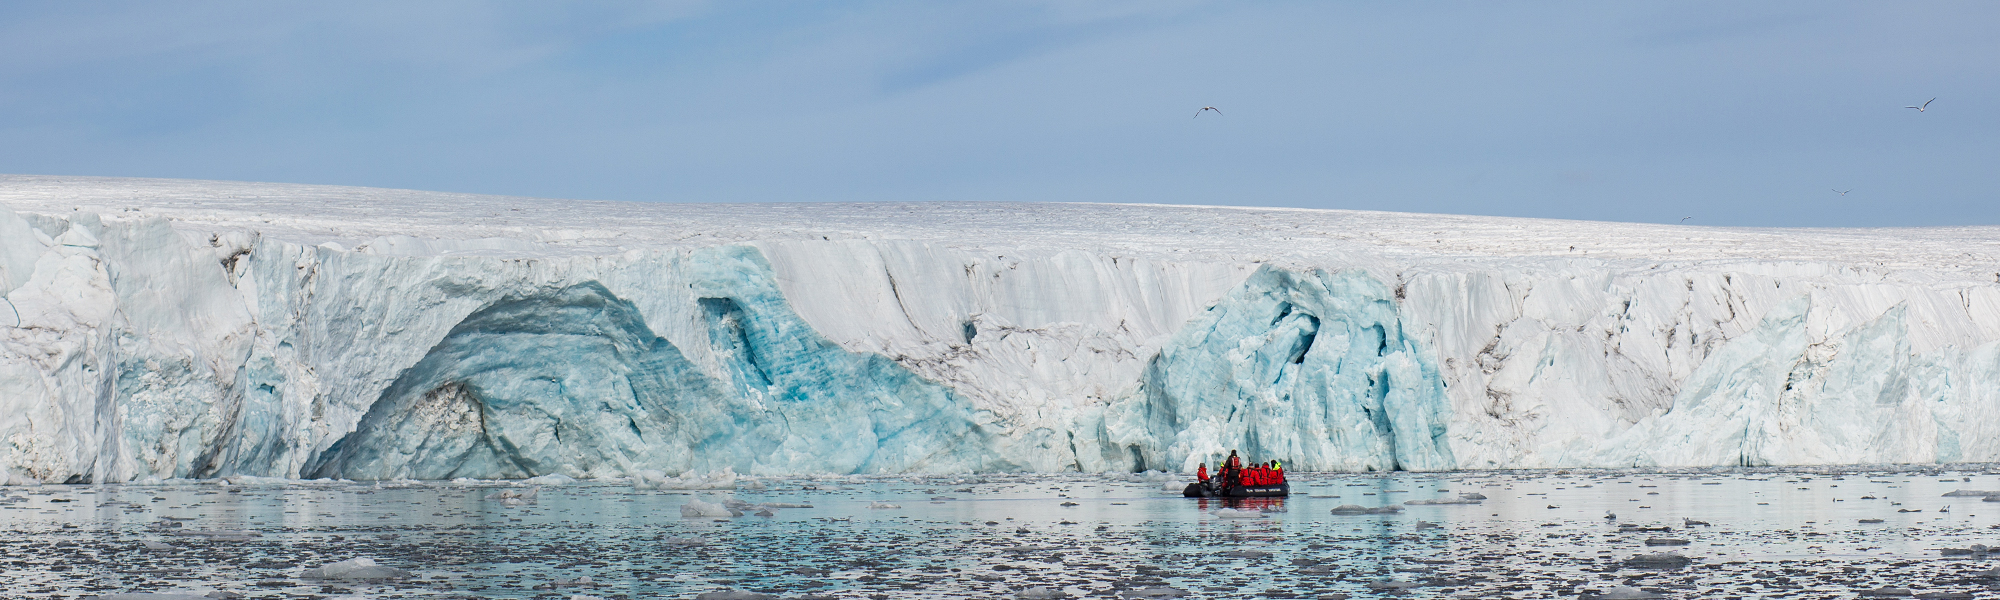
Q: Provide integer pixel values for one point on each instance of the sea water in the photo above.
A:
(1809, 533)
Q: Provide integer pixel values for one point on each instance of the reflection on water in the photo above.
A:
(1803, 533)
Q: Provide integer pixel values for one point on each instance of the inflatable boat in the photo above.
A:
(1197, 490)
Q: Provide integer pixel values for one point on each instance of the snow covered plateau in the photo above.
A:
(171, 328)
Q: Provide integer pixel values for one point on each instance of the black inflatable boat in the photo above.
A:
(1197, 490)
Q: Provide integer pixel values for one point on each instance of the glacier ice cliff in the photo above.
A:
(160, 328)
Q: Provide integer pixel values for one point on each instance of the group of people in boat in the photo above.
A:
(1233, 475)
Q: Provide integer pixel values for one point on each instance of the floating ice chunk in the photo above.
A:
(550, 479)
(1150, 477)
(647, 479)
(1039, 592)
(145, 596)
(1628, 593)
(1972, 493)
(786, 505)
(1662, 560)
(1173, 486)
(1231, 513)
(734, 595)
(157, 546)
(1461, 499)
(584, 597)
(1392, 585)
(527, 496)
(881, 505)
(681, 541)
(695, 507)
(1356, 509)
(355, 568)
(1156, 592)
(724, 479)
(221, 536)
(561, 582)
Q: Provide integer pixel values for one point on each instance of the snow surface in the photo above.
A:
(172, 328)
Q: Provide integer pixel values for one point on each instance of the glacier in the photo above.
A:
(174, 328)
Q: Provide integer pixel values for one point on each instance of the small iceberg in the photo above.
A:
(355, 569)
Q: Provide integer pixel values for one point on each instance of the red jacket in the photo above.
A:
(1201, 473)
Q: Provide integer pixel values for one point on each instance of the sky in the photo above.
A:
(1720, 113)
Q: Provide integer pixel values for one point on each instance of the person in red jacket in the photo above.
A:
(1277, 472)
(1201, 473)
(1232, 470)
(1254, 476)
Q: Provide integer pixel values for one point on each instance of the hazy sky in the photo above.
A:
(1734, 113)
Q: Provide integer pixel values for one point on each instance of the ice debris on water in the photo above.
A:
(527, 496)
(1461, 499)
(1627, 593)
(1154, 477)
(562, 582)
(1661, 560)
(734, 595)
(648, 479)
(149, 596)
(355, 568)
(550, 479)
(1356, 509)
(695, 507)
(1231, 513)
(1156, 592)
(1392, 585)
(882, 505)
(681, 541)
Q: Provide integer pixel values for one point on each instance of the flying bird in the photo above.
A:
(1843, 193)
(1685, 219)
(1197, 114)
(1927, 104)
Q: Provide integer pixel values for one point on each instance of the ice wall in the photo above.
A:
(155, 347)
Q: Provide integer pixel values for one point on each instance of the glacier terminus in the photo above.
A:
(190, 329)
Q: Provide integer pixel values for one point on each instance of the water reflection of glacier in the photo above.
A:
(1536, 534)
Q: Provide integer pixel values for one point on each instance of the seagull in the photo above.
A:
(1685, 219)
(1927, 104)
(1197, 114)
(1843, 193)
